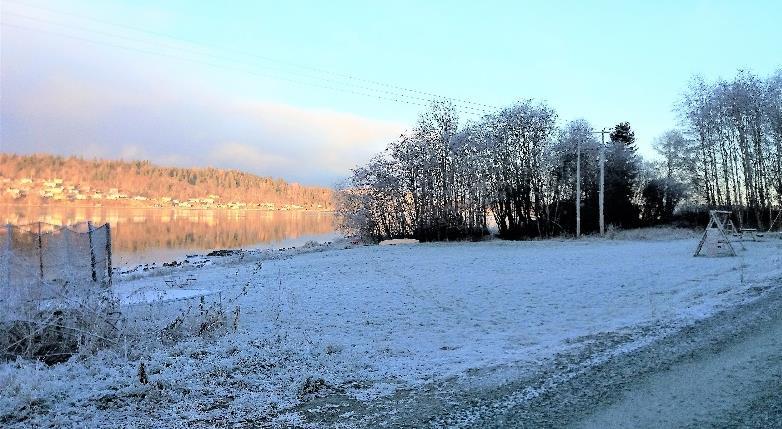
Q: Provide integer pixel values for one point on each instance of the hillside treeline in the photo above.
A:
(148, 180)
(516, 169)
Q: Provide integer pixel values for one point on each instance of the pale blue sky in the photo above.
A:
(79, 78)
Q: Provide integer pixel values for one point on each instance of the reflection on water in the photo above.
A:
(157, 235)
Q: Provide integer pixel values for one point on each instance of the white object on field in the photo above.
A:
(399, 241)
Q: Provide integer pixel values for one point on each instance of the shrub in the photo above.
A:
(54, 329)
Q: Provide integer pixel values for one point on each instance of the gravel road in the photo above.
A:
(724, 371)
(737, 383)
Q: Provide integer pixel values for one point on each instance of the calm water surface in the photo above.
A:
(160, 235)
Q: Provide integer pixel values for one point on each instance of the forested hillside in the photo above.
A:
(30, 178)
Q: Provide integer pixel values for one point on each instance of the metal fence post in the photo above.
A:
(108, 251)
(92, 252)
(8, 248)
(40, 251)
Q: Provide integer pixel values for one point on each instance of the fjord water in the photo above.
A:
(146, 235)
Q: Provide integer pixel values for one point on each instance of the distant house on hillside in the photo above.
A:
(15, 193)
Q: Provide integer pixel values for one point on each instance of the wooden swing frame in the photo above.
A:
(719, 220)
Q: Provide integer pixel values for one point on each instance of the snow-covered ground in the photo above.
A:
(367, 321)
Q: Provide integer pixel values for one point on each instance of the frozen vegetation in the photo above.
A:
(364, 323)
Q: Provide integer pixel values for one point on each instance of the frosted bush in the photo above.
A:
(52, 330)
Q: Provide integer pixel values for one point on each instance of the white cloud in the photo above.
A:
(78, 99)
(249, 158)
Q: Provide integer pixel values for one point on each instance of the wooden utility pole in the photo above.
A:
(578, 189)
(601, 197)
(602, 182)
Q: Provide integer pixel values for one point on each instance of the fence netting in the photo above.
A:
(56, 298)
(54, 280)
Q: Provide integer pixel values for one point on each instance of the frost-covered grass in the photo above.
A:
(656, 233)
(366, 321)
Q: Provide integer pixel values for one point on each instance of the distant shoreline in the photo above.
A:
(53, 181)
(66, 206)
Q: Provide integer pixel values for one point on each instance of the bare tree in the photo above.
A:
(736, 127)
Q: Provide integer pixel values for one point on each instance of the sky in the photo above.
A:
(307, 90)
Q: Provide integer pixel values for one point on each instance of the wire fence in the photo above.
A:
(40, 252)
(56, 300)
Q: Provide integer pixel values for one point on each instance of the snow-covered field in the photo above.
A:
(367, 321)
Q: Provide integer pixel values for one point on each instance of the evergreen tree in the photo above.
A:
(621, 176)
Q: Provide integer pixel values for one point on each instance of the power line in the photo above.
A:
(467, 104)
(345, 88)
(350, 87)
(4, 24)
(222, 57)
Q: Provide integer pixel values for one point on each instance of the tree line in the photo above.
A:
(149, 180)
(728, 152)
(516, 170)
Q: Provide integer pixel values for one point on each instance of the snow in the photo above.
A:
(151, 296)
(370, 320)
